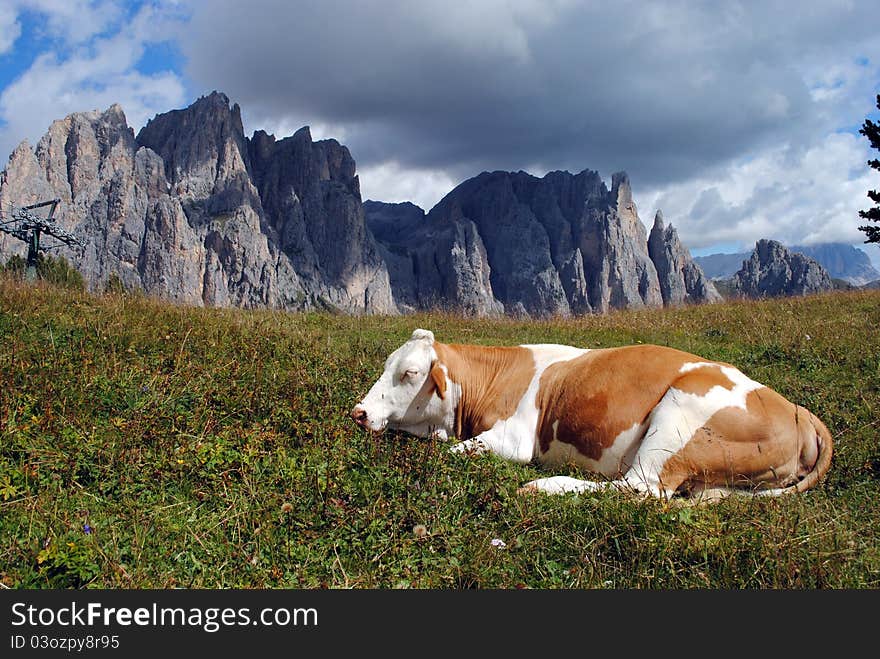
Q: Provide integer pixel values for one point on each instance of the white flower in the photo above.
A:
(498, 542)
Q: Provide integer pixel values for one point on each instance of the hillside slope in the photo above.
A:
(144, 445)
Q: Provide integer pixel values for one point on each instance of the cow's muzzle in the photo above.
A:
(359, 414)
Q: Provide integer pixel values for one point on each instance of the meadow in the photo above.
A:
(144, 445)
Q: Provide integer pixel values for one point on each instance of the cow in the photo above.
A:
(649, 419)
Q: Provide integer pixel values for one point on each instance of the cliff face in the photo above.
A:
(559, 245)
(433, 263)
(773, 270)
(192, 211)
(681, 280)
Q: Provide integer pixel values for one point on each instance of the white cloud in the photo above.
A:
(795, 196)
(92, 75)
(392, 183)
(74, 22)
(10, 30)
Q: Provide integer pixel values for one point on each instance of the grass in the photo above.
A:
(144, 445)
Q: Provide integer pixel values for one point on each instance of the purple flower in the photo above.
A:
(87, 529)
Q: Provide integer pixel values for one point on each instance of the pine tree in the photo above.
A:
(871, 130)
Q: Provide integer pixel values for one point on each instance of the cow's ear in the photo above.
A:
(438, 375)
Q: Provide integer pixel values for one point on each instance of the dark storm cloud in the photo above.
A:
(664, 91)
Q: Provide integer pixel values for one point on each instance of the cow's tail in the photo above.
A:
(820, 434)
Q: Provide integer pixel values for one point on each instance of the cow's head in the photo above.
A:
(411, 393)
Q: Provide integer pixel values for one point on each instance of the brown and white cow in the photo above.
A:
(651, 419)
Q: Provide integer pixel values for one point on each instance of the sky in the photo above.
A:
(738, 119)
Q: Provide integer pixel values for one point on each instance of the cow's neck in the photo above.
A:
(491, 382)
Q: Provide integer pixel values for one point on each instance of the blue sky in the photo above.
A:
(738, 120)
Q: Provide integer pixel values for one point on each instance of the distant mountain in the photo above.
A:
(773, 270)
(841, 260)
(721, 266)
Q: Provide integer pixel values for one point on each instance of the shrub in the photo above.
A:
(53, 269)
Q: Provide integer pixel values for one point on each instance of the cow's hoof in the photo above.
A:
(528, 489)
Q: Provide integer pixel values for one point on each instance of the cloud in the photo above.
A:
(422, 187)
(10, 30)
(792, 195)
(94, 73)
(663, 91)
(72, 22)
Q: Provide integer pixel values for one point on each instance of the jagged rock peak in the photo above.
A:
(23, 150)
(621, 190)
(682, 281)
(176, 212)
(200, 144)
(773, 270)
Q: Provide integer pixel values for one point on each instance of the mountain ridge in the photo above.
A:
(842, 260)
(193, 211)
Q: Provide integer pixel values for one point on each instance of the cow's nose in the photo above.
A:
(359, 414)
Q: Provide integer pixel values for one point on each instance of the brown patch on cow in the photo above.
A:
(770, 444)
(701, 380)
(603, 393)
(438, 376)
(493, 380)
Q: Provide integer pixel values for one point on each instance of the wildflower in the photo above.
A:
(807, 337)
(420, 530)
(87, 529)
(498, 542)
(286, 507)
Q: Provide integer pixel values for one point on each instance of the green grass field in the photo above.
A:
(149, 446)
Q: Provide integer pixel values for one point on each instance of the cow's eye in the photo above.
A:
(409, 374)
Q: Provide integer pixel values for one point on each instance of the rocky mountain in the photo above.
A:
(774, 270)
(721, 266)
(193, 211)
(681, 279)
(433, 263)
(841, 260)
(559, 245)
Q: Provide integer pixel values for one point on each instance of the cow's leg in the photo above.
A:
(563, 485)
(506, 439)
(667, 432)
(567, 484)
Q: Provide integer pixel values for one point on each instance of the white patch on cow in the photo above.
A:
(563, 485)
(614, 461)
(693, 366)
(515, 438)
(678, 416)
